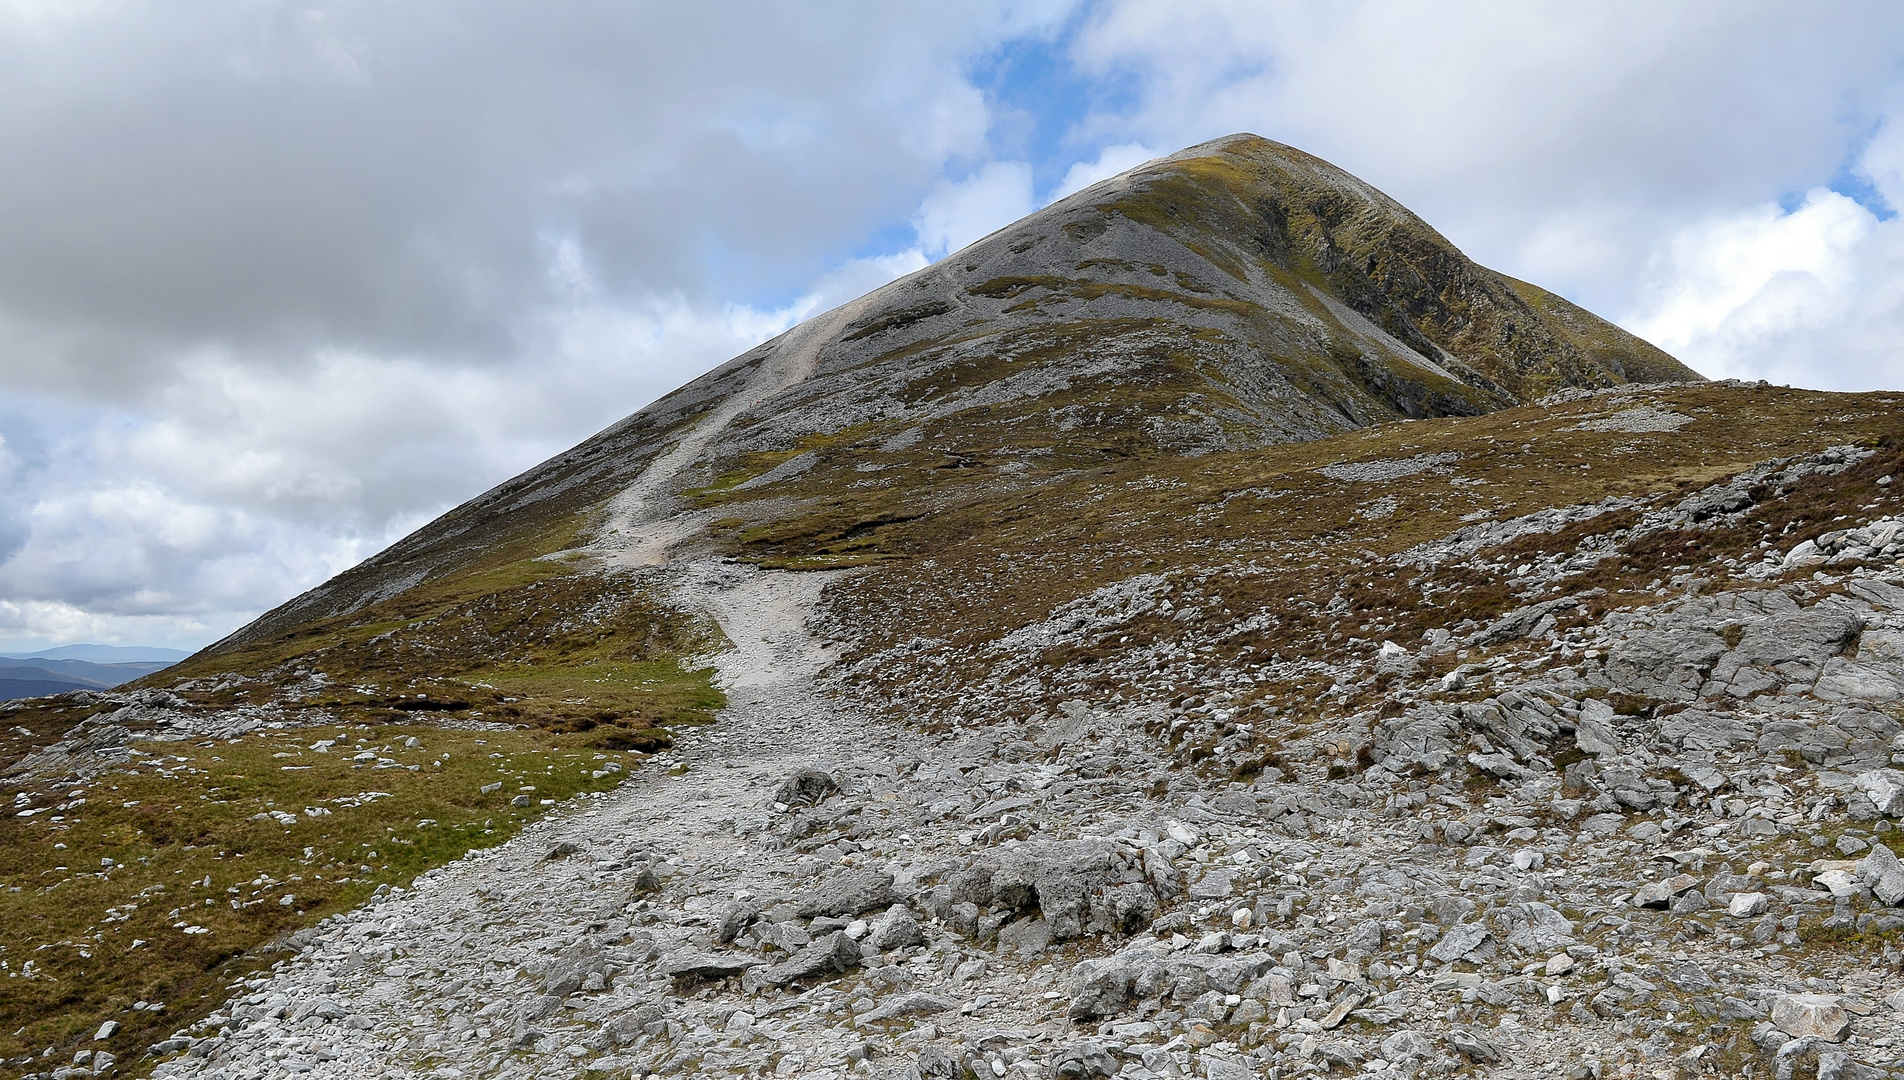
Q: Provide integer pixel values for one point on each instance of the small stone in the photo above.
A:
(1747, 905)
(1559, 964)
(106, 1031)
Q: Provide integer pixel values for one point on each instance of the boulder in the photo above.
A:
(808, 787)
(849, 892)
(1820, 1016)
(1660, 894)
(1881, 872)
(833, 954)
(1885, 789)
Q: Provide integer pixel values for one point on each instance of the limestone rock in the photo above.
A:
(808, 787)
(699, 965)
(1881, 872)
(1811, 1015)
(1885, 789)
(1660, 894)
(849, 892)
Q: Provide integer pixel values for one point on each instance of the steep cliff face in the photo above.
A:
(1236, 295)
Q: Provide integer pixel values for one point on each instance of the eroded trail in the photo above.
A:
(536, 957)
(642, 525)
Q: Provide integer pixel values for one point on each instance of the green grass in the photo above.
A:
(199, 872)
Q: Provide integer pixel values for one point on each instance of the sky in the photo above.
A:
(279, 283)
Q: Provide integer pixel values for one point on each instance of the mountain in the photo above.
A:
(1209, 627)
(1237, 295)
(39, 673)
(107, 654)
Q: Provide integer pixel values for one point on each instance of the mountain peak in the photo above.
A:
(1235, 295)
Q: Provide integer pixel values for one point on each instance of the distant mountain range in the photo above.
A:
(78, 667)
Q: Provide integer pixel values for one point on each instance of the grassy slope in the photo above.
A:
(585, 670)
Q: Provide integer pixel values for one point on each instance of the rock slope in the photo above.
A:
(1580, 838)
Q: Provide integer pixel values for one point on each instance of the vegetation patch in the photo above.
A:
(147, 894)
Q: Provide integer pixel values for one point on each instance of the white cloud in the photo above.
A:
(1556, 141)
(1813, 295)
(959, 212)
(1113, 160)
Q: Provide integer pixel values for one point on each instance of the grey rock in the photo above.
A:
(1082, 1060)
(833, 954)
(1821, 1016)
(849, 892)
(808, 787)
(700, 965)
(1476, 1048)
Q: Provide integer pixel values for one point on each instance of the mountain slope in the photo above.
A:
(1149, 708)
(1238, 294)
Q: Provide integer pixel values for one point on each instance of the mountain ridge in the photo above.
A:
(1244, 293)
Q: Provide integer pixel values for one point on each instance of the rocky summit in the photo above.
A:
(1209, 628)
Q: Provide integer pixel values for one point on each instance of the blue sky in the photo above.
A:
(279, 283)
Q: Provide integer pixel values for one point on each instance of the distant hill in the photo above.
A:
(106, 654)
(56, 671)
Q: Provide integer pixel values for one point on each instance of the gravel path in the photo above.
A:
(445, 979)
